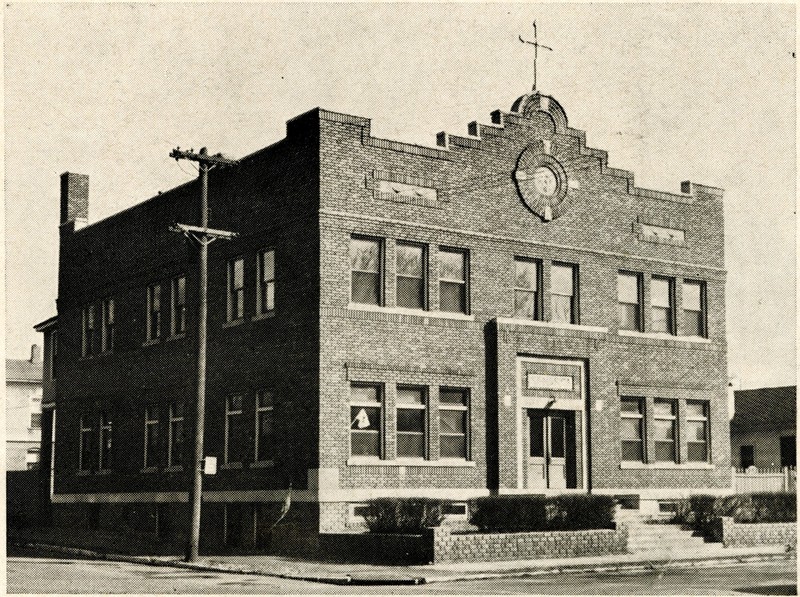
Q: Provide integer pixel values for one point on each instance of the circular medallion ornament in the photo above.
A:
(541, 183)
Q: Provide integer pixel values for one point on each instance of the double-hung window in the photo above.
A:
(87, 330)
(697, 430)
(632, 429)
(234, 430)
(629, 301)
(694, 308)
(453, 281)
(366, 271)
(235, 289)
(411, 422)
(36, 410)
(265, 438)
(527, 281)
(85, 448)
(453, 423)
(175, 435)
(154, 311)
(366, 420)
(266, 281)
(412, 276)
(563, 295)
(662, 301)
(178, 306)
(105, 442)
(664, 428)
(152, 454)
(107, 325)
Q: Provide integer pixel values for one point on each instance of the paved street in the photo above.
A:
(29, 573)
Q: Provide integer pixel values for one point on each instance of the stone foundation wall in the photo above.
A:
(737, 534)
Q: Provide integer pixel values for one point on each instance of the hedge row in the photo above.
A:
(701, 510)
(496, 513)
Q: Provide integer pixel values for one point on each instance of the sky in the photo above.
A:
(673, 92)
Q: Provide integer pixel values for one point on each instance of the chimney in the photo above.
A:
(74, 199)
(36, 354)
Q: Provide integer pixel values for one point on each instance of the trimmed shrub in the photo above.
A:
(403, 515)
(521, 513)
(702, 510)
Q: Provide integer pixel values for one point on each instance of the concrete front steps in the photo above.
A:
(646, 533)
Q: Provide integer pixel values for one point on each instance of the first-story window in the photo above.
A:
(411, 418)
(662, 300)
(366, 271)
(85, 449)
(107, 326)
(154, 311)
(178, 306)
(632, 429)
(266, 281)
(235, 289)
(453, 281)
(563, 295)
(629, 301)
(87, 330)
(412, 276)
(265, 405)
(694, 309)
(151, 432)
(527, 281)
(664, 429)
(32, 458)
(105, 442)
(175, 452)
(697, 430)
(453, 423)
(366, 420)
(234, 430)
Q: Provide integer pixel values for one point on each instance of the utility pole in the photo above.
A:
(203, 236)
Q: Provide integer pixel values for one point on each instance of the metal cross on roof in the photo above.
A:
(536, 45)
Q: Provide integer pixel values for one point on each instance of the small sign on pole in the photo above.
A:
(210, 465)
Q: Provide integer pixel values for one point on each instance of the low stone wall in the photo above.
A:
(483, 547)
(739, 534)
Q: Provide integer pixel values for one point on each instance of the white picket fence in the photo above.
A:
(754, 479)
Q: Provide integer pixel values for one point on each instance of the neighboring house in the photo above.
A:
(23, 411)
(46, 481)
(501, 313)
(764, 428)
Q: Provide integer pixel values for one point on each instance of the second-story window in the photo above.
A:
(87, 330)
(662, 301)
(412, 276)
(366, 271)
(266, 281)
(234, 430)
(563, 298)
(178, 306)
(105, 442)
(411, 423)
(235, 289)
(107, 326)
(527, 281)
(85, 448)
(694, 309)
(154, 311)
(629, 301)
(453, 276)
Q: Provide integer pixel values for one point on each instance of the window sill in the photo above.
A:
(231, 466)
(261, 316)
(175, 337)
(234, 323)
(152, 342)
(415, 312)
(667, 465)
(448, 462)
(149, 469)
(178, 468)
(262, 464)
(663, 336)
(83, 473)
(552, 324)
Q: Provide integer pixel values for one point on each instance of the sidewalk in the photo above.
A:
(364, 574)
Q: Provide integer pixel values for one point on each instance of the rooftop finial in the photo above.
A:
(536, 45)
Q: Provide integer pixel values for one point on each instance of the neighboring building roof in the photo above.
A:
(47, 323)
(765, 408)
(23, 370)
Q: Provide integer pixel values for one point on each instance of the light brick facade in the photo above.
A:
(527, 382)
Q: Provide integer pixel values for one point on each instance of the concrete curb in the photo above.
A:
(376, 579)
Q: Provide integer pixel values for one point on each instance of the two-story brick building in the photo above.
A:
(501, 313)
